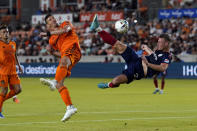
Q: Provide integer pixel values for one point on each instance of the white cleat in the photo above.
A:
(161, 92)
(50, 83)
(71, 110)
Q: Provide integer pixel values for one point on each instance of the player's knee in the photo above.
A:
(18, 89)
(120, 47)
(65, 61)
(3, 90)
(115, 81)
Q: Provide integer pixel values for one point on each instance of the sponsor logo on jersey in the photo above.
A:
(160, 55)
(166, 61)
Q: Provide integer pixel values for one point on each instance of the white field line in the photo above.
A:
(85, 121)
(104, 112)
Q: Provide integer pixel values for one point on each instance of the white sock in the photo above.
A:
(99, 29)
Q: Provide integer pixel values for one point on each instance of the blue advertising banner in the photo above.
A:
(104, 70)
(177, 13)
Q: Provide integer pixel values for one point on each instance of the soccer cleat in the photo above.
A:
(161, 92)
(95, 23)
(16, 100)
(50, 83)
(71, 110)
(156, 91)
(1, 116)
(103, 85)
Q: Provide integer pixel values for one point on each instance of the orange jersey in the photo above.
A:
(7, 58)
(65, 40)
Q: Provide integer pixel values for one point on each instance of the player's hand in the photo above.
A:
(49, 49)
(67, 28)
(43, 34)
(145, 60)
(144, 47)
(20, 70)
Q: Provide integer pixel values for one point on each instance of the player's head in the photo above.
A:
(163, 42)
(4, 32)
(50, 21)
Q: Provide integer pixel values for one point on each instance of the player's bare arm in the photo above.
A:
(161, 68)
(53, 52)
(58, 31)
(18, 64)
(147, 49)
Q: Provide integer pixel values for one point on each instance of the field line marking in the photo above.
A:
(103, 112)
(84, 121)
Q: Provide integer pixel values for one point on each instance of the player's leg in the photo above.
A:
(15, 82)
(155, 81)
(128, 75)
(12, 93)
(73, 58)
(15, 99)
(3, 92)
(120, 79)
(162, 82)
(109, 39)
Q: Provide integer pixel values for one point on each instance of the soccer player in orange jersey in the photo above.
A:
(63, 39)
(8, 61)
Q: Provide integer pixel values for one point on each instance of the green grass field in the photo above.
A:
(130, 107)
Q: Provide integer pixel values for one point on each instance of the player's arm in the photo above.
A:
(161, 68)
(147, 49)
(53, 52)
(18, 64)
(60, 31)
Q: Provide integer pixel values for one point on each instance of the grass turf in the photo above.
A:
(130, 107)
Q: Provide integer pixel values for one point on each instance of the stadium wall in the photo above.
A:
(104, 70)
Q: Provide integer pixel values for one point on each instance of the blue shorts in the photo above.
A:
(134, 69)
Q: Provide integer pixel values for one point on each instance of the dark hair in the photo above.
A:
(165, 37)
(3, 26)
(46, 17)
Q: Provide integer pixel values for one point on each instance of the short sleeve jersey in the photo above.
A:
(7, 58)
(157, 58)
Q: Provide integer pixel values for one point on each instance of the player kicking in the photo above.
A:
(137, 67)
(8, 61)
(64, 39)
(163, 75)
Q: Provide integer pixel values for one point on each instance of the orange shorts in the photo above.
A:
(74, 53)
(9, 79)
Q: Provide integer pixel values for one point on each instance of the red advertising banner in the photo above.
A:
(102, 16)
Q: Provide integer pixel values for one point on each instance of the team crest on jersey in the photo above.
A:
(12, 46)
(166, 61)
(2, 82)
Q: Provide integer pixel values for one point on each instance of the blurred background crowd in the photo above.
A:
(143, 30)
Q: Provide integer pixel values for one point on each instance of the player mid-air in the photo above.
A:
(137, 67)
(8, 62)
(63, 39)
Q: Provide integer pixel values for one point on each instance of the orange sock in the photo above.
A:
(61, 72)
(10, 95)
(65, 95)
(1, 101)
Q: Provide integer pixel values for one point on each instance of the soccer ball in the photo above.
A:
(122, 26)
